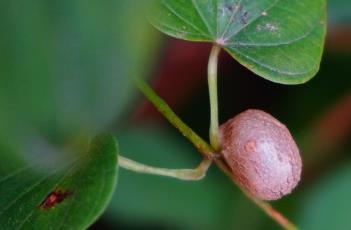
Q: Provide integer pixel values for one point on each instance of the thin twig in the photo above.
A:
(182, 174)
(164, 109)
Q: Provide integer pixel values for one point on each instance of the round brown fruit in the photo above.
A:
(261, 153)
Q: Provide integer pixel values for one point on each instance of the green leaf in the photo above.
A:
(59, 194)
(327, 205)
(280, 40)
(65, 66)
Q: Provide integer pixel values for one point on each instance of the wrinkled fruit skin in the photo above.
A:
(262, 154)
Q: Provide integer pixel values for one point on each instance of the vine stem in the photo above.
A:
(202, 146)
(181, 174)
(207, 150)
(213, 88)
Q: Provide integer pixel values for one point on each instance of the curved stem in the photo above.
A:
(163, 108)
(212, 86)
(182, 174)
(208, 151)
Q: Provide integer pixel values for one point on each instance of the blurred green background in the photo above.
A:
(65, 69)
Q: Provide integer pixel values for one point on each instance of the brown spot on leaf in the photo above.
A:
(234, 8)
(54, 198)
(244, 17)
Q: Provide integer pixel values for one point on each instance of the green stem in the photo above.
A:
(181, 174)
(163, 108)
(208, 151)
(212, 87)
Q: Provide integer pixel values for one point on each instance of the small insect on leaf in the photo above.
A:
(54, 198)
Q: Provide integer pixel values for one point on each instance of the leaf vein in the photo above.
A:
(202, 17)
(171, 9)
(252, 21)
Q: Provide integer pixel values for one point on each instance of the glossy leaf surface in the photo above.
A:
(58, 193)
(280, 40)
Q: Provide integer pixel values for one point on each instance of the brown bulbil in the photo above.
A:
(261, 153)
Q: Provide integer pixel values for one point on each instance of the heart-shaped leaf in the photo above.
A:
(280, 40)
(66, 195)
